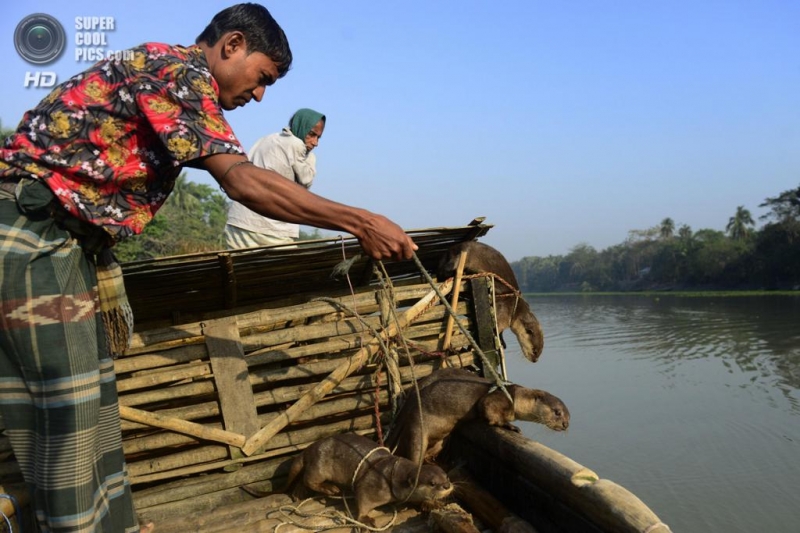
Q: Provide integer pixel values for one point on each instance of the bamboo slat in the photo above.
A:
(165, 376)
(267, 432)
(282, 394)
(448, 333)
(181, 426)
(231, 377)
(261, 320)
(150, 357)
(203, 454)
(237, 516)
(347, 404)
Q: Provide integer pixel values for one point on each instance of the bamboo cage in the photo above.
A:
(241, 359)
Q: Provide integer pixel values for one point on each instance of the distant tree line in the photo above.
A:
(666, 257)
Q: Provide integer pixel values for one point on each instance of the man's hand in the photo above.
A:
(383, 239)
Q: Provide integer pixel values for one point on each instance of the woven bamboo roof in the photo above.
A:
(180, 289)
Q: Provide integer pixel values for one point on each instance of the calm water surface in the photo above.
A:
(692, 403)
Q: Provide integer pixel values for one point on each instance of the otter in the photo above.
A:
(512, 310)
(336, 462)
(453, 395)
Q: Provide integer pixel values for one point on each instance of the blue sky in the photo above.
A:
(560, 122)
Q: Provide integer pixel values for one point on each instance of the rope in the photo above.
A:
(354, 314)
(486, 364)
(363, 460)
(387, 279)
(442, 355)
(377, 406)
(337, 518)
(344, 266)
(391, 359)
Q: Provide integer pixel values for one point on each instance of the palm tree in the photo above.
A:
(667, 228)
(784, 208)
(739, 224)
(685, 232)
(183, 196)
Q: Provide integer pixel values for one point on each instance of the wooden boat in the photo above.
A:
(243, 358)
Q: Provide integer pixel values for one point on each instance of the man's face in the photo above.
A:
(241, 76)
(313, 136)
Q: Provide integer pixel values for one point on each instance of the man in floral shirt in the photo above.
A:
(87, 167)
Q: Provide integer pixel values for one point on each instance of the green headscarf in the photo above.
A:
(302, 122)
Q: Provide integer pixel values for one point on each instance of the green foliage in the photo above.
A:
(4, 133)
(783, 208)
(658, 258)
(667, 228)
(312, 235)
(192, 220)
(739, 226)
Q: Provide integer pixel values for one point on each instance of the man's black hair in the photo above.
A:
(260, 31)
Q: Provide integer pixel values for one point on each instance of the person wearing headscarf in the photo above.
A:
(289, 153)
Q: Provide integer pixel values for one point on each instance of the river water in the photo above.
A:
(691, 403)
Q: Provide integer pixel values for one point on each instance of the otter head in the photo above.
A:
(540, 406)
(433, 483)
(528, 331)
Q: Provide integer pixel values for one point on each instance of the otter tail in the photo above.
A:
(294, 470)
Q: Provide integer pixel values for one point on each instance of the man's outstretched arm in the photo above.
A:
(269, 194)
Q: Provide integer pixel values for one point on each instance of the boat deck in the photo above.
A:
(279, 512)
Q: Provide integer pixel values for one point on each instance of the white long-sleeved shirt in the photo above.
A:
(287, 155)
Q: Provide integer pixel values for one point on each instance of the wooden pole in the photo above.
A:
(491, 511)
(453, 519)
(462, 259)
(181, 426)
(354, 363)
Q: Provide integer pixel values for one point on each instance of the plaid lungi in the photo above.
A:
(58, 395)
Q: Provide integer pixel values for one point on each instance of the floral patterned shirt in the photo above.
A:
(110, 142)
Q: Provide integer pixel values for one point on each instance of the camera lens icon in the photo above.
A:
(39, 39)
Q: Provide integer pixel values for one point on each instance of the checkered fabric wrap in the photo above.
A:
(58, 396)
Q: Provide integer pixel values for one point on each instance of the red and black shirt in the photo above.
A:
(110, 142)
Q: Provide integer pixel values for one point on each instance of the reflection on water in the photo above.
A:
(692, 403)
(759, 335)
